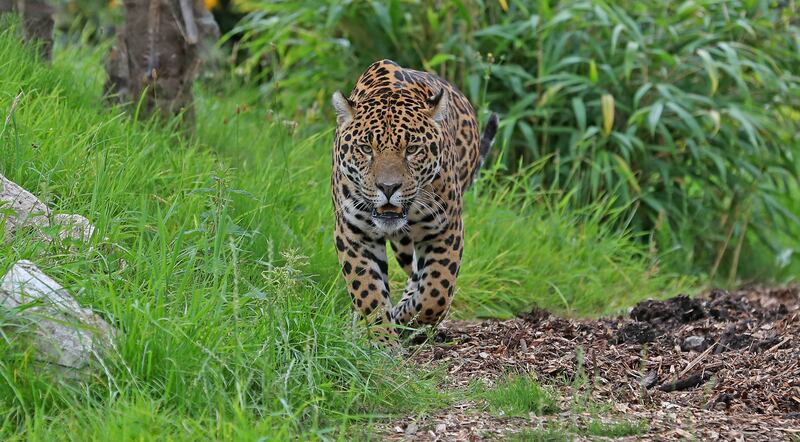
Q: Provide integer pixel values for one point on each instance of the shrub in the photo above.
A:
(684, 111)
(680, 109)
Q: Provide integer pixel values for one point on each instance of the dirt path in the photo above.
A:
(725, 366)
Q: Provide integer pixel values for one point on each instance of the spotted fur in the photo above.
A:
(406, 149)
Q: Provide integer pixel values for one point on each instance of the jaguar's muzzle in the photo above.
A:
(389, 212)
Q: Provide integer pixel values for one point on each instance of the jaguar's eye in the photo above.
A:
(366, 149)
(411, 150)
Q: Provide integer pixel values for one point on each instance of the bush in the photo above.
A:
(288, 45)
(680, 109)
(685, 112)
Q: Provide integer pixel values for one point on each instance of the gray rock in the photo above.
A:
(25, 208)
(73, 226)
(695, 343)
(28, 211)
(66, 335)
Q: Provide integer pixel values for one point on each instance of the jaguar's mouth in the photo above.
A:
(389, 212)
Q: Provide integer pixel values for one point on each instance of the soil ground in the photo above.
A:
(723, 366)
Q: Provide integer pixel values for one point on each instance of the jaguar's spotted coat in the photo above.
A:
(407, 147)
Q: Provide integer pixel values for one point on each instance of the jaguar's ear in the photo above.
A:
(438, 105)
(344, 108)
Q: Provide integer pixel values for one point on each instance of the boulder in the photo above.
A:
(25, 208)
(66, 336)
(20, 209)
(73, 226)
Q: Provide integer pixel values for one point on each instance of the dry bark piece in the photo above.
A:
(638, 333)
(66, 335)
(690, 381)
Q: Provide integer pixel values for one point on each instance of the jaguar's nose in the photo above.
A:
(388, 189)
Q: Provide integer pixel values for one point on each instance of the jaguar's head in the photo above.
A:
(388, 146)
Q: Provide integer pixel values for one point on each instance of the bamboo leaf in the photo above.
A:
(630, 54)
(593, 76)
(438, 59)
(653, 116)
(615, 37)
(715, 118)
(711, 69)
(607, 104)
(580, 113)
(688, 119)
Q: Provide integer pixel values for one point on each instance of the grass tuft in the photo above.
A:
(545, 435)
(614, 429)
(520, 396)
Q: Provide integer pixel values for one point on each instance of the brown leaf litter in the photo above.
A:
(723, 366)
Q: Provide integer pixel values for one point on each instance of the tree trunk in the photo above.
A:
(157, 55)
(37, 22)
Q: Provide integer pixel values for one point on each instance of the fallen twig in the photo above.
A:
(697, 360)
(779, 344)
(686, 383)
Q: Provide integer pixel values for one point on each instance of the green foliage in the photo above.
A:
(523, 246)
(681, 110)
(529, 247)
(91, 19)
(290, 45)
(519, 396)
(684, 112)
(233, 320)
(221, 337)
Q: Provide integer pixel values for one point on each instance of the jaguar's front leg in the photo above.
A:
(365, 270)
(430, 288)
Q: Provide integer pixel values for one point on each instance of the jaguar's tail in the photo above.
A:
(487, 139)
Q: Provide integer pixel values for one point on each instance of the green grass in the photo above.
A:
(519, 396)
(546, 435)
(524, 247)
(233, 322)
(614, 429)
(558, 433)
(225, 333)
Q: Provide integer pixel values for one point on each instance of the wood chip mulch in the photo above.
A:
(723, 366)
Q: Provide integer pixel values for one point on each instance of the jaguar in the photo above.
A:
(406, 148)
